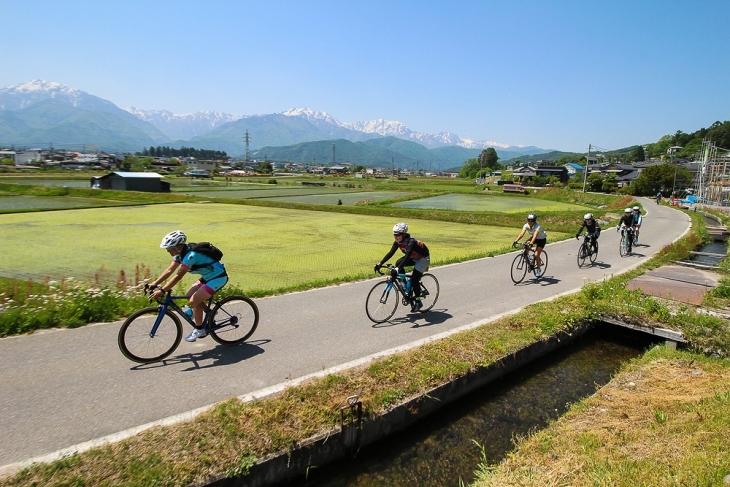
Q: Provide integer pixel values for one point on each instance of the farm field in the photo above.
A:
(268, 191)
(265, 248)
(347, 198)
(487, 202)
(20, 202)
(70, 183)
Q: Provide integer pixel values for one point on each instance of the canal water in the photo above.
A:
(441, 449)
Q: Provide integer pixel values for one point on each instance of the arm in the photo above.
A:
(390, 254)
(170, 285)
(166, 273)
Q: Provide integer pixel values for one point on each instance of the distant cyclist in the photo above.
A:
(638, 219)
(415, 254)
(537, 237)
(626, 224)
(593, 228)
(212, 277)
(658, 197)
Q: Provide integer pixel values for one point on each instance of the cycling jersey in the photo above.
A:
(412, 248)
(626, 220)
(535, 228)
(198, 263)
(638, 217)
(590, 227)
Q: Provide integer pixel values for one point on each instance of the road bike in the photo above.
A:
(524, 262)
(153, 333)
(627, 240)
(585, 251)
(383, 298)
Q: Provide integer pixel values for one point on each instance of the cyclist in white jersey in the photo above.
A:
(537, 237)
(638, 220)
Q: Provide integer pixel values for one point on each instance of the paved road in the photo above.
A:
(64, 387)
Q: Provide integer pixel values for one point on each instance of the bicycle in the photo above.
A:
(153, 333)
(383, 298)
(525, 261)
(585, 251)
(627, 239)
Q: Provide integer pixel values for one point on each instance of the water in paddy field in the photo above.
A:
(716, 247)
(439, 450)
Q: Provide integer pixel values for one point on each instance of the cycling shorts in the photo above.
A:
(214, 284)
(540, 242)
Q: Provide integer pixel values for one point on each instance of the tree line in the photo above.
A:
(164, 151)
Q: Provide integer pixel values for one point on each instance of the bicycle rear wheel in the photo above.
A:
(381, 302)
(429, 291)
(593, 255)
(233, 320)
(136, 341)
(519, 268)
(583, 254)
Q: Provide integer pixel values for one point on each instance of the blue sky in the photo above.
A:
(554, 74)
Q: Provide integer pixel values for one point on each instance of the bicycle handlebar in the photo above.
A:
(525, 245)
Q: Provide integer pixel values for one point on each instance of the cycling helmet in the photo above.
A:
(588, 216)
(627, 210)
(532, 217)
(173, 239)
(636, 208)
(400, 228)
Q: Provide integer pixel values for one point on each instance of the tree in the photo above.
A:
(265, 167)
(7, 162)
(660, 178)
(469, 169)
(638, 155)
(488, 158)
(609, 184)
(594, 182)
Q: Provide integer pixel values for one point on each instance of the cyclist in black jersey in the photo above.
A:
(626, 224)
(593, 228)
(415, 254)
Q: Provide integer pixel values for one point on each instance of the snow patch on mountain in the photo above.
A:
(17, 97)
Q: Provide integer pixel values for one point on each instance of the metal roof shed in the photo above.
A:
(133, 181)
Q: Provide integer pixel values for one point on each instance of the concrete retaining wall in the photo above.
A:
(333, 445)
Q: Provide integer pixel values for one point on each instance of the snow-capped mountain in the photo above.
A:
(21, 96)
(183, 126)
(393, 128)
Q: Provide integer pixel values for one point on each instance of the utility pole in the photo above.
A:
(392, 165)
(248, 139)
(585, 171)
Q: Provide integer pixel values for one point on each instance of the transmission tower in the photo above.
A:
(333, 154)
(247, 139)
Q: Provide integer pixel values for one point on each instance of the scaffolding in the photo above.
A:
(712, 183)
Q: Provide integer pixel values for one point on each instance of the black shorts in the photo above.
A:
(540, 242)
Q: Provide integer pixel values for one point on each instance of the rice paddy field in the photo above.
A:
(265, 248)
(487, 202)
(21, 202)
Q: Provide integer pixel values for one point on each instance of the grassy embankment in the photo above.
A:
(94, 254)
(239, 433)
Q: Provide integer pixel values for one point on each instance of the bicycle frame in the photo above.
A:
(169, 303)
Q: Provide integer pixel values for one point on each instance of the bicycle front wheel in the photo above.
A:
(594, 254)
(583, 253)
(381, 302)
(429, 291)
(519, 268)
(623, 247)
(137, 342)
(233, 320)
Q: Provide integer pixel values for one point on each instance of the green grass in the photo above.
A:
(493, 203)
(266, 249)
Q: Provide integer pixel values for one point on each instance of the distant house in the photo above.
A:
(132, 181)
(525, 172)
(21, 158)
(574, 168)
(559, 172)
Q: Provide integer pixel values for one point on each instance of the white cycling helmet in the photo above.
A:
(627, 210)
(173, 239)
(532, 217)
(636, 208)
(588, 216)
(400, 228)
